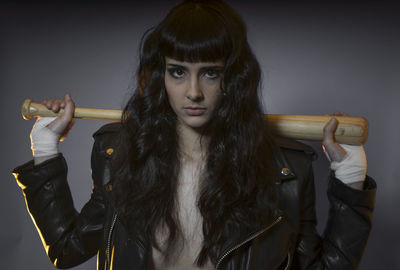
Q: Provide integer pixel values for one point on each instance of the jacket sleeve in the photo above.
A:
(69, 237)
(347, 229)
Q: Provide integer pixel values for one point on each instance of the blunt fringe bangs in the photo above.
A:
(199, 31)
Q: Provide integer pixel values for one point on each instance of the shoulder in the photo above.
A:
(109, 129)
(291, 145)
(107, 138)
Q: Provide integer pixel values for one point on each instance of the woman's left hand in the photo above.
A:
(348, 161)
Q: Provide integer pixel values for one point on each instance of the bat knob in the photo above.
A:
(25, 109)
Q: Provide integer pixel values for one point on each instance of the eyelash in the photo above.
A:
(172, 72)
(216, 74)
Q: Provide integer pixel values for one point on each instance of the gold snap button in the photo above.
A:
(109, 151)
(285, 171)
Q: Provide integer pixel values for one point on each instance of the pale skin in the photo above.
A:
(193, 90)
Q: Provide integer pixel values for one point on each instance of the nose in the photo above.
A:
(194, 92)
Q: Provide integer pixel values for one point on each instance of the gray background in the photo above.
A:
(316, 58)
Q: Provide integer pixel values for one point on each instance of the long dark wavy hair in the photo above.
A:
(237, 184)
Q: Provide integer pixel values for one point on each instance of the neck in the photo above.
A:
(192, 144)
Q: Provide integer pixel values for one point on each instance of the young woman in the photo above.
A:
(192, 177)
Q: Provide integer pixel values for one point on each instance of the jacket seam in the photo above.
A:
(342, 203)
(328, 241)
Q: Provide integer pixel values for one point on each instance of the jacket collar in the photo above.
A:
(284, 145)
(284, 169)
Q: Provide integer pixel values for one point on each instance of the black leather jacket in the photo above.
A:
(288, 241)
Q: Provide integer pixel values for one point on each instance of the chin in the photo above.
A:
(194, 123)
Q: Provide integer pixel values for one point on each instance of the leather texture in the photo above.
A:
(288, 241)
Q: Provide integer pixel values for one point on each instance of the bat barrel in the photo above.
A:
(350, 130)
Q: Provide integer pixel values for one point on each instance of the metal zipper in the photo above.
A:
(245, 241)
(288, 261)
(114, 219)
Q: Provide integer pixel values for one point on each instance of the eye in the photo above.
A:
(176, 72)
(212, 73)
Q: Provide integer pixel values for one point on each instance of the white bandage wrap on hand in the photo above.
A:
(44, 142)
(353, 168)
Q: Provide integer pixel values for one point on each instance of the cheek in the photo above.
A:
(171, 94)
(214, 94)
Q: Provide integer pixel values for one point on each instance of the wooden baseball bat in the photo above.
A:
(350, 130)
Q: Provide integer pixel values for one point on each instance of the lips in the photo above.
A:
(194, 111)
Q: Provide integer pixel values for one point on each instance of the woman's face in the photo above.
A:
(193, 90)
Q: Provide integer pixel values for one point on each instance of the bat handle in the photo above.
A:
(31, 109)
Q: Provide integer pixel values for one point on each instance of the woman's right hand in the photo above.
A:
(63, 123)
(48, 131)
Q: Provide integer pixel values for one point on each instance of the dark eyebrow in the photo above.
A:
(215, 67)
(177, 66)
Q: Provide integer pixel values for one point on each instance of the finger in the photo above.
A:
(47, 103)
(56, 106)
(329, 130)
(334, 150)
(61, 123)
(69, 108)
(50, 104)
